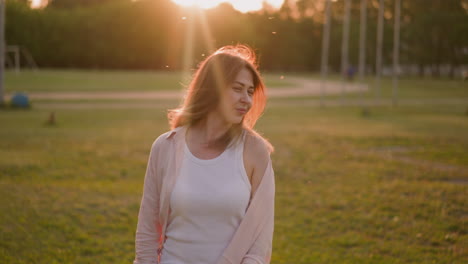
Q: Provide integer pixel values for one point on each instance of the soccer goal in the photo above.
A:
(17, 57)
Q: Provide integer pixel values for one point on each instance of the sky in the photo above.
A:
(241, 5)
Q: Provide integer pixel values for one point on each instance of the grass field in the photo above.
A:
(389, 187)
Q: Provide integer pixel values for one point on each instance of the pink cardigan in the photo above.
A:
(252, 241)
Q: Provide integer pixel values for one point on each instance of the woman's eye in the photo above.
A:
(238, 89)
(251, 92)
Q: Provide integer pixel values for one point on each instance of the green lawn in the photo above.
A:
(389, 187)
(73, 80)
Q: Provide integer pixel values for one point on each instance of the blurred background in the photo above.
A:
(368, 112)
(150, 34)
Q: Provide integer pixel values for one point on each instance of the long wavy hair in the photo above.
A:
(217, 72)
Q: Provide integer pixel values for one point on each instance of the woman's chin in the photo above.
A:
(235, 122)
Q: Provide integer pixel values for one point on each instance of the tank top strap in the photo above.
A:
(239, 146)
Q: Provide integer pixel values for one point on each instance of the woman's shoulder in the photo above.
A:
(257, 150)
(257, 143)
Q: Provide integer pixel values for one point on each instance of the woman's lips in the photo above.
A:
(241, 111)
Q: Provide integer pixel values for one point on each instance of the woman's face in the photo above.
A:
(236, 100)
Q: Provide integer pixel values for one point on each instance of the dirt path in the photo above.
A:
(165, 104)
(301, 87)
(307, 87)
(166, 99)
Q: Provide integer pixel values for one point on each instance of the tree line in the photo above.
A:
(158, 34)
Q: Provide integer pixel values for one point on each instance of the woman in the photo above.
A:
(209, 187)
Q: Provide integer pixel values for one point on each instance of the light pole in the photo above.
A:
(396, 50)
(2, 49)
(362, 40)
(344, 46)
(325, 46)
(378, 62)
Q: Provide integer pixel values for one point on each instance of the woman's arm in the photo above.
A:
(148, 229)
(258, 165)
(256, 158)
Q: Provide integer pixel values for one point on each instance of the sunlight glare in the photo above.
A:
(241, 5)
(198, 3)
(275, 3)
(246, 6)
(36, 3)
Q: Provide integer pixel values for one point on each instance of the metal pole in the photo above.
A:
(378, 63)
(2, 50)
(344, 47)
(325, 46)
(16, 51)
(396, 49)
(362, 40)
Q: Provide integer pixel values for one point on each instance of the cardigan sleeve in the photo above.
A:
(148, 229)
(251, 244)
(260, 250)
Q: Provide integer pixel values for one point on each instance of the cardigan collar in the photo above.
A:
(175, 131)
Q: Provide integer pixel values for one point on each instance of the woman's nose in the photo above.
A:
(245, 98)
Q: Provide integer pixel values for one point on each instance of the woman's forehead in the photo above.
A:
(245, 78)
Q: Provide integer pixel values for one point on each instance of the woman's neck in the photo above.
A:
(209, 131)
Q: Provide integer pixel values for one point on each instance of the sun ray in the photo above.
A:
(188, 46)
(208, 38)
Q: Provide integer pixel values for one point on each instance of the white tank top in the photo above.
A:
(207, 205)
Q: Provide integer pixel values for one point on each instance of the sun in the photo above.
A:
(198, 3)
(37, 3)
(241, 5)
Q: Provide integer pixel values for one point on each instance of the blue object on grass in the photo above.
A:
(20, 100)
